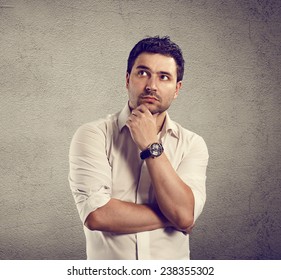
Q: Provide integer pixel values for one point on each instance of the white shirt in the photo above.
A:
(105, 163)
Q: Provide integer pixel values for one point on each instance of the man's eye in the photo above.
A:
(142, 73)
(164, 77)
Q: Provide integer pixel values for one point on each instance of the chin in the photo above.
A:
(151, 108)
(155, 111)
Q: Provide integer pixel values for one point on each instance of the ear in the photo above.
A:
(178, 87)
(127, 79)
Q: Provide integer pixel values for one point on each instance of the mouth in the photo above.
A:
(149, 99)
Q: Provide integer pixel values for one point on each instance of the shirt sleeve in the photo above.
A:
(89, 169)
(192, 171)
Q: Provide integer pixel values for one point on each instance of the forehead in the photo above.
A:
(156, 62)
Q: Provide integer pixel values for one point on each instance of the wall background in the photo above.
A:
(63, 63)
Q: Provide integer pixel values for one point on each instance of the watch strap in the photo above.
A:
(145, 154)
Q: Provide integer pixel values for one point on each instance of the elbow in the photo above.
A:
(184, 223)
(91, 222)
(186, 226)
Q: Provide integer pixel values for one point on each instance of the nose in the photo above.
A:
(151, 84)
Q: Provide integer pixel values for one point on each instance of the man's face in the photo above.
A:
(153, 82)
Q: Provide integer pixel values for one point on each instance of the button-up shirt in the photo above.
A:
(105, 163)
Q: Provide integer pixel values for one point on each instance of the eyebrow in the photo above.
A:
(147, 68)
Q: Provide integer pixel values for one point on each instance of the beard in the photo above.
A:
(153, 107)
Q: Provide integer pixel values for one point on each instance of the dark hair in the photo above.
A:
(158, 45)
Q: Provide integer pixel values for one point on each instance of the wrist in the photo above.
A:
(153, 150)
(148, 144)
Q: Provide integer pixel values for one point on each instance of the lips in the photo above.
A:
(149, 98)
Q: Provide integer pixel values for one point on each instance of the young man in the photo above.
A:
(137, 177)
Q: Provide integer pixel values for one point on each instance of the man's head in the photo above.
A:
(158, 45)
(154, 74)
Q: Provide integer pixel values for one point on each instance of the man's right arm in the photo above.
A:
(91, 185)
(125, 217)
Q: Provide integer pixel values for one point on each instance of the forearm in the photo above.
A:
(124, 217)
(174, 197)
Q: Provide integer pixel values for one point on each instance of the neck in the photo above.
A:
(160, 121)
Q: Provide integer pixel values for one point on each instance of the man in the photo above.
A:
(137, 177)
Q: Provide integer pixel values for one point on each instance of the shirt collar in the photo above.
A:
(123, 116)
(169, 125)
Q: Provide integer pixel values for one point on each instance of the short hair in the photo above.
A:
(158, 45)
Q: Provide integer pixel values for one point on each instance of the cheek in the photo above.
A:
(170, 94)
(137, 84)
(135, 87)
(133, 93)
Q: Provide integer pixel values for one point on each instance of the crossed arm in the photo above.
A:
(175, 199)
(125, 217)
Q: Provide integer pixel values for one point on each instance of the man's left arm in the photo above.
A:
(175, 198)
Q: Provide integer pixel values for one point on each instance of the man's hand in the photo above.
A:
(142, 126)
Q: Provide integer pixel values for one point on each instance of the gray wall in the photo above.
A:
(63, 63)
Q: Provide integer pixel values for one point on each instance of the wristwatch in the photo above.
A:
(153, 150)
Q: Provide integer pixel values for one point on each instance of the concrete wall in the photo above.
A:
(63, 63)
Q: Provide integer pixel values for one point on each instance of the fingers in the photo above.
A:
(134, 117)
(142, 109)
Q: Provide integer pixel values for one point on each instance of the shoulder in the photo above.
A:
(97, 128)
(193, 141)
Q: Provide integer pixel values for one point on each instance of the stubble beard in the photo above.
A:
(158, 108)
(153, 111)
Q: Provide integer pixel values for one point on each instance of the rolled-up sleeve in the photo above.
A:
(89, 169)
(192, 171)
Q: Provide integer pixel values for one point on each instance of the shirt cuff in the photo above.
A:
(89, 203)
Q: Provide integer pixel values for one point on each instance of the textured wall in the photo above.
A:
(63, 63)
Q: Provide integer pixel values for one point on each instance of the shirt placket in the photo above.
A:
(142, 197)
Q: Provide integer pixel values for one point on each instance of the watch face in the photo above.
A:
(155, 149)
